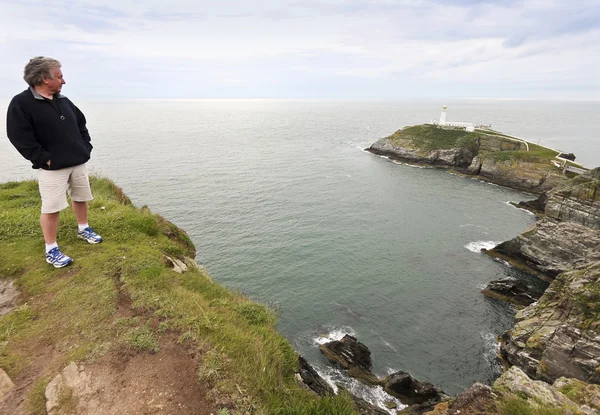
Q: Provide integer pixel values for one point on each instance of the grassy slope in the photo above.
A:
(428, 137)
(74, 308)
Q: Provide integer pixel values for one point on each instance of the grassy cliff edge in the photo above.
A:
(122, 296)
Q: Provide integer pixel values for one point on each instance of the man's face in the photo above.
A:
(55, 83)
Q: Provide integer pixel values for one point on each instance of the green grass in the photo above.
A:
(513, 405)
(36, 399)
(430, 137)
(75, 307)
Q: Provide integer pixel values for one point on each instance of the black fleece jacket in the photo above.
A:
(43, 129)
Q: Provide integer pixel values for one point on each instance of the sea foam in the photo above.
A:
(477, 246)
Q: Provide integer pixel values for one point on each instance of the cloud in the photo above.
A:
(370, 48)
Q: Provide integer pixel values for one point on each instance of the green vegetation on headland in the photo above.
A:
(122, 294)
(429, 137)
(487, 154)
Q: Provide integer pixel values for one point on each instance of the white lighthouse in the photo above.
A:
(466, 125)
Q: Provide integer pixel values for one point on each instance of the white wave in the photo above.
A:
(500, 260)
(415, 166)
(389, 345)
(374, 395)
(466, 225)
(334, 334)
(509, 203)
(491, 347)
(478, 245)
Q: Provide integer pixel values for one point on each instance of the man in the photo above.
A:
(49, 130)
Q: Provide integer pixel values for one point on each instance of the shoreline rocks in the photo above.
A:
(411, 391)
(559, 336)
(511, 290)
(355, 357)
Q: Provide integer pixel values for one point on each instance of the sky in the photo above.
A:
(331, 49)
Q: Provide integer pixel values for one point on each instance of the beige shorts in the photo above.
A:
(55, 184)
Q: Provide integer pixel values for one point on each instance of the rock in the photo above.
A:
(516, 381)
(352, 356)
(8, 296)
(579, 392)
(6, 385)
(439, 409)
(411, 391)
(552, 246)
(474, 400)
(455, 157)
(559, 334)
(312, 379)
(572, 209)
(427, 407)
(536, 206)
(511, 290)
(568, 156)
(52, 393)
(534, 177)
(72, 379)
(177, 265)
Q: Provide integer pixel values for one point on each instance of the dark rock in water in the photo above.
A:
(511, 290)
(411, 391)
(353, 356)
(537, 206)
(475, 400)
(419, 409)
(568, 156)
(311, 378)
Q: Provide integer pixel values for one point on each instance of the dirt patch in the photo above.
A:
(8, 296)
(43, 357)
(126, 382)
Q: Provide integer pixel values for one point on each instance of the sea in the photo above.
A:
(285, 205)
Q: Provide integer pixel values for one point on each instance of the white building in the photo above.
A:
(466, 125)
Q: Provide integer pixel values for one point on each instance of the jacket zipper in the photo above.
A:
(62, 117)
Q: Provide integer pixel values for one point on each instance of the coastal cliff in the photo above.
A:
(554, 347)
(567, 236)
(560, 334)
(134, 325)
(488, 155)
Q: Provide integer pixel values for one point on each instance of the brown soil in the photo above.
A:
(126, 382)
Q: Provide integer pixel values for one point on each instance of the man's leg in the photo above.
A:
(49, 224)
(80, 192)
(81, 212)
(53, 186)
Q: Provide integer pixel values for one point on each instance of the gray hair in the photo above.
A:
(39, 67)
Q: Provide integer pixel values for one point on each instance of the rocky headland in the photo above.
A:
(552, 354)
(484, 154)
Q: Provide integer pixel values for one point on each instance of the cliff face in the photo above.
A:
(453, 157)
(560, 334)
(531, 176)
(569, 234)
